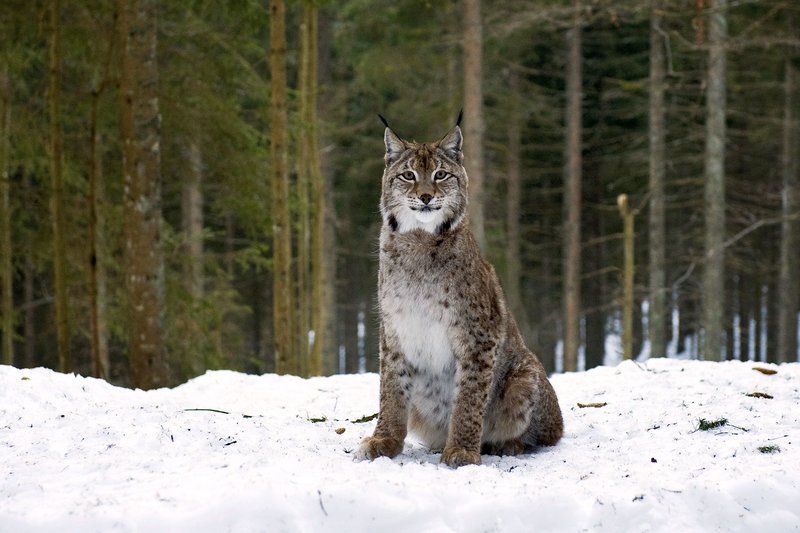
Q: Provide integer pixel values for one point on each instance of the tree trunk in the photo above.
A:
(192, 213)
(513, 198)
(473, 116)
(571, 266)
(97, 272)
(6, 269)
(141, 132)
(57, 193)
(29, 322)
(594, 290)
(627, 278)
(772, 319)
(324, 256)
(304, 170)
(714, 272)
(657, 316)
(285, 360)
(745, 307)
(789, 299)
(760, 318)
(320, 275)
(351, 336)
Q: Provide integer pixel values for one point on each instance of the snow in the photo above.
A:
(78, 454)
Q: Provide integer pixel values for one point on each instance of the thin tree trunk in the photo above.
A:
(789, 292)
(714, 272)
(6, 270)
(657, 316)
(760, 317)
(326, 351)
(97, 271)
(285, 360)
(192, 212)
(627, 278)
(28, 293)
(473, 116)
(304, 163)
(320, 275)
(351, 335)
(513, 198)
(29, 322)
(594, 288)
(141, 132)
(772, 319)
(57, 193)
(571, 266)
(745, 306)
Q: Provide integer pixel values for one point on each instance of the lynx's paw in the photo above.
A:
(373, 447)
(454, 457)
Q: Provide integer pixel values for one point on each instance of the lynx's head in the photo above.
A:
(424, 184)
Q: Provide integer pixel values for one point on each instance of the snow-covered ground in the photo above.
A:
(77, 454)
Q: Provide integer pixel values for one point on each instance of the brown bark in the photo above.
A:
(350, 325)
(513, 197)
(473, 116)
(714, 272)
(789, 292)
(97, 272)
(745, 307)
(320, 274)
(141, 131)
(657, 316)
(57, 192)
(627, 277)
(29, 320)
(571, 266)
(304, 163)
(285, 360)
(6, 271)
(325, 223)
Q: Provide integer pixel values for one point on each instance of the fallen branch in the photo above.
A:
(594, 404)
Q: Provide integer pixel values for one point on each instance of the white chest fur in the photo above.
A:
(423, 339)
(412, 312)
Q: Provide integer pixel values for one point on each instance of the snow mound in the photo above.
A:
(234, 452)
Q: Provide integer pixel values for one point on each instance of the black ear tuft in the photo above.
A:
(460, 116)
(395, 146)
(383, 120)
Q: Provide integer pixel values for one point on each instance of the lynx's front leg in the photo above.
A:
(474, 377)
(387, 440)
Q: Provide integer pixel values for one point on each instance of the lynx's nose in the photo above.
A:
(426, 198)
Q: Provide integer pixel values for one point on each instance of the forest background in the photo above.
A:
(189, 184)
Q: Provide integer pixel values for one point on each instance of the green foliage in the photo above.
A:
(705, 425)
(769, 449)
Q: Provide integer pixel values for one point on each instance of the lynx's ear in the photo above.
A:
(451, 144)
(394, 144)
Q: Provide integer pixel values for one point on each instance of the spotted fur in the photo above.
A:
(454, 368)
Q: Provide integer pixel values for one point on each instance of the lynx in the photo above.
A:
(454, 369)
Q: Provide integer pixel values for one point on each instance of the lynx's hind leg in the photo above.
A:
(547, 424)
(509, 414)
(525, 413)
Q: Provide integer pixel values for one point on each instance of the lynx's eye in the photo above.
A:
(440, 175)
(408, 176)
